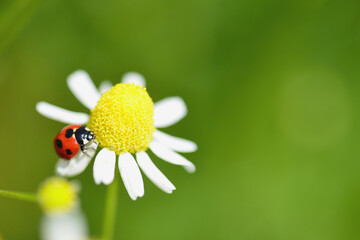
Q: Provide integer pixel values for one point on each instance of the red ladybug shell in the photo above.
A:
(65, 143)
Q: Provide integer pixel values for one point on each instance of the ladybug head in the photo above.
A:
(90, 136)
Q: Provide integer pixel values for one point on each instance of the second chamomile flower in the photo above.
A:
(63, 218)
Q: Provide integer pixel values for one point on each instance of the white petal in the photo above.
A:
(83, 88)
(169, 111)
(105, 86)
(153, 173)
(77, 164)
(175, 143)
(62, 115)
(170, 156)
(70, 226)
(104, 167)
(131, 176)
(134, 77)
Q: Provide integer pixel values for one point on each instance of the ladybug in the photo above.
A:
(72, 138)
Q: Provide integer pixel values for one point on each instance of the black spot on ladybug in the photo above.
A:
(68, 152)
(69, 133)
(59, 143)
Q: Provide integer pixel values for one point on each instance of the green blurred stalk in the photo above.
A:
(110, 211)
(29, 197)
(13, 18)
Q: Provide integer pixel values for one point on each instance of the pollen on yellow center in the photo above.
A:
(57, 195)
(123, 119)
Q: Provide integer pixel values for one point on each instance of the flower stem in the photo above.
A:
(110, 211)
(29, 197)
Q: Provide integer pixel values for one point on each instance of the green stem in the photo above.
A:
(29, 197)
(110, 211)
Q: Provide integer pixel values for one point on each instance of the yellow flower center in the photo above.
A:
(57, 195)
(123, 119)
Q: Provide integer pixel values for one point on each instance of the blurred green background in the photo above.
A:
(272, 90)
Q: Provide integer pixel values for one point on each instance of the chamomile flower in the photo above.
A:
(125, 122)
(63, 218)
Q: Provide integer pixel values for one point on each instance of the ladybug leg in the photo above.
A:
(82, 148)
(87, 154)
(87, 149)
(87, 146)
